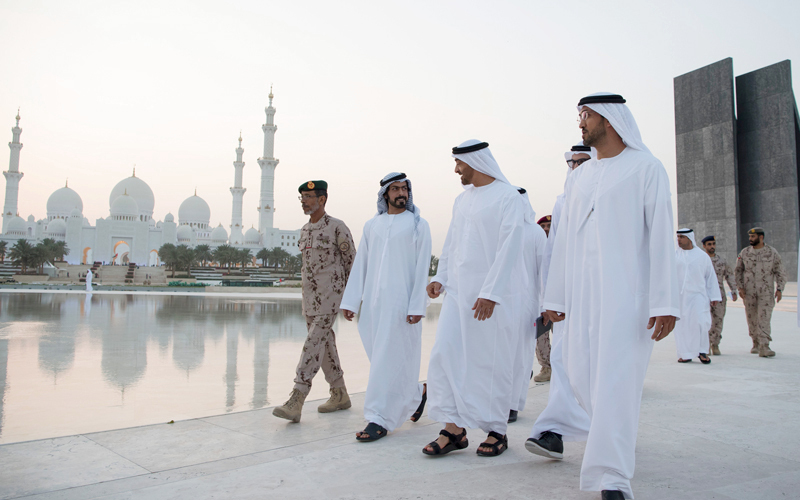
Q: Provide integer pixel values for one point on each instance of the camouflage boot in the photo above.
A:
(544, 375)
(292, 409)
(339, 400)
(715, 350)
(765, 352)
(754, 350)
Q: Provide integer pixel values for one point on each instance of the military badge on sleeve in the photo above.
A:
(344, 247)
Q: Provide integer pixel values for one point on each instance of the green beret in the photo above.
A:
(756, 230)
(313, 186)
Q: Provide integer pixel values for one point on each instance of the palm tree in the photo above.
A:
(203, 254)
(264, 256)
(21, 255)
(244, 257)
(3, 245)
(294, 263)
(223, 254)
(279, 256)
(40, 255)
(54, 250)
(434, 267)
(185, 258)
(168, 256)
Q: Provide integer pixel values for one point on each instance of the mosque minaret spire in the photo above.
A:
(266, 202)
(13, 176)
(238, 194)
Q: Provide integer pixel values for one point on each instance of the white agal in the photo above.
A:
(388, 282)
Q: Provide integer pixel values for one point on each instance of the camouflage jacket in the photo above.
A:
(757, 271)
(724, 272)
(328, 254)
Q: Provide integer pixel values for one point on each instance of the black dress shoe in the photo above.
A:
(512, 416)
(548, 445)
(612, 495)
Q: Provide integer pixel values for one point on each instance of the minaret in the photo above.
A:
(13, 175)
(266, 202)
(238, 193)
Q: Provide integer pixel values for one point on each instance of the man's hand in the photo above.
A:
(483, 309)
(741, 293)
(434, 289)
(552, 317)
(778, 296)
(715, 303)
(734, 296)
(663, 325)
(413, 320)
(348, 315)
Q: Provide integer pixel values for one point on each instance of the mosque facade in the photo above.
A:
(130, 233)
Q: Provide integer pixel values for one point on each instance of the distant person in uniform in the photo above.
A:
(328, 254)
(724, 272)
(544, 223)
(758, 270)
(543, 342)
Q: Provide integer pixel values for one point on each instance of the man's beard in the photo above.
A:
(399, 202)
(311, 209)
(594, 136)
(753, 243)
(711, 251)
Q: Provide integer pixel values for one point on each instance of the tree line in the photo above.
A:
(28, 256)
(183, 258)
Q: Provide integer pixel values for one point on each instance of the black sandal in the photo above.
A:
(374, 432)
(681, 360)
(496, 450)
(417, 414)
(703, 357)
(457, 442)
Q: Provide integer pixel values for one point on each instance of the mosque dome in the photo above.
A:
(125, 206)
(16, 226)
(62, 202)
(57, 227)
(252, 236)
(185, 234)
(219, 234)
(139, 191)
(169, 218)
(76, 213)
(194, 211)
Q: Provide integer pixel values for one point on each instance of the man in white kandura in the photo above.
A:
(533, 248)
(612, 277)
(471, 376)
(89, 280)
(563, 417)
(388, 281)
(699, 290)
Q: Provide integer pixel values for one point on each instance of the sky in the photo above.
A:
(362, 88)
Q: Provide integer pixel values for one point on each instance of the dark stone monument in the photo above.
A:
(738, 168)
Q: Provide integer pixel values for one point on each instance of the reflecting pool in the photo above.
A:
(73, 363)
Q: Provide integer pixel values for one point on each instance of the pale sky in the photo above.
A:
(361, 89)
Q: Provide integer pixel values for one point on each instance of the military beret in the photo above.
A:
(707, 239)
(313, 186)
(546, 218)
(756, 230)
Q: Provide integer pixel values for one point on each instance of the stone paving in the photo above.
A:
(723, 431)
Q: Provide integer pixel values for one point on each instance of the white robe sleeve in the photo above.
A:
(419, 297)
(541, 248)
(712, 283)
(353, 293)
(555, 277)
(664, 294)
(500, 280)
(441, 270)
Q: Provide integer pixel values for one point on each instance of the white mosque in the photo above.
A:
(130, 233)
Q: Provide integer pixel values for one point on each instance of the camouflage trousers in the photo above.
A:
(319, 351)
(543, 350)
(717, 316)
(759, 315)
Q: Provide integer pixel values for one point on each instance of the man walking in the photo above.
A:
(612, 277)
(758, 270)
(699, 291)
(388, 282)
(328, 253)
(724, 272)
(471, 376)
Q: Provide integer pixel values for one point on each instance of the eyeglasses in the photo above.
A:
(307, 197)
(583, 115)
(576, 163)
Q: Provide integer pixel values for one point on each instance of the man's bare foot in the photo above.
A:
(443, 441)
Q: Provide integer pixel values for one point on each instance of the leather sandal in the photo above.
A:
(457, 442)
(417, 414)
(373, 431)
(497, 447)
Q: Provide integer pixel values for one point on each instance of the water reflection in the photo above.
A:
(119, 360)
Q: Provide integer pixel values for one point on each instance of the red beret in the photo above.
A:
(546, 218)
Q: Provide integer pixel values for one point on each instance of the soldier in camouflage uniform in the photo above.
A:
(543, 342)
(724, 272)
(758, 270)
(328, 253)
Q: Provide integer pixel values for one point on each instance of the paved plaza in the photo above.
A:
(723, 431)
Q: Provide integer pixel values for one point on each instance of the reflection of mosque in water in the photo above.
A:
(123, 325)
